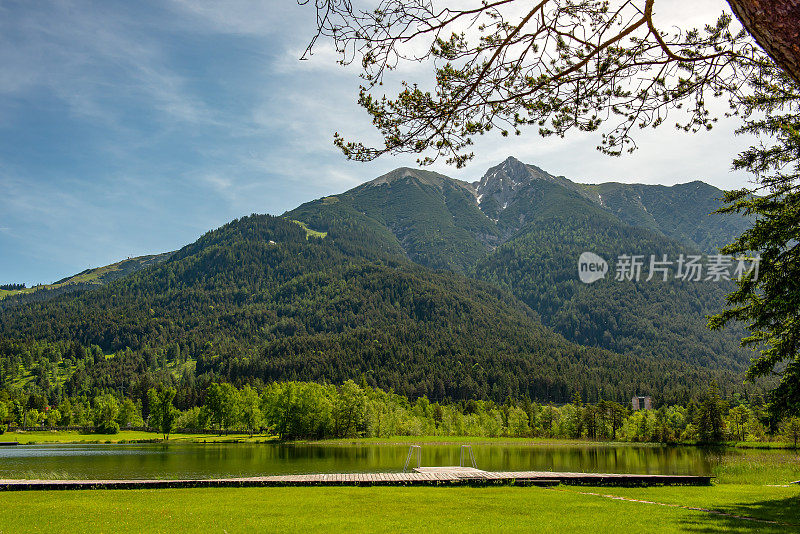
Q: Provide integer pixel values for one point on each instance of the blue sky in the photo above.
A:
(129, 128)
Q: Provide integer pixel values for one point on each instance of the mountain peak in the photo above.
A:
(407, 172)
(502, 181)
(424, 177)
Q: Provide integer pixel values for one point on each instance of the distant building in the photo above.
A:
(641, 403)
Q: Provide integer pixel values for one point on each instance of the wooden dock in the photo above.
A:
(457, 476)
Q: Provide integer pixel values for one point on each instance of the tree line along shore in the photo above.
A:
(309, 410)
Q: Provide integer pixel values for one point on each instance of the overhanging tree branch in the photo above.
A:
(558, 65)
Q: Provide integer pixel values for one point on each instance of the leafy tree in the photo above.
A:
(299, 410)
(104, 414)
(662, 433)
(613, 414)
(709, 416)
(66, 412)
(791, 429)
(162, 413)
(190, 419)
(130, 414)
(549, 419)
(575, 418)
(768, 298)
(518, 425)
(18, 412)
(53, 417)
(349, 410)
(223, 405)
(557, 66)
(251, 408)
(739, 417)
(592, 421)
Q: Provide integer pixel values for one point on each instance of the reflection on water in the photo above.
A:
(129, 461)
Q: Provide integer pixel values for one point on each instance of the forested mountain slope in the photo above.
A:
(433, 219)
(523, 229)
(85, 280)
(684, 212)
(382, 296)
(260, 300)
(653, 319)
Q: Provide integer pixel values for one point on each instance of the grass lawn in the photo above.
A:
(764, 502)
(389, 509)
(309, 231)
(72, 436)
(454, 440)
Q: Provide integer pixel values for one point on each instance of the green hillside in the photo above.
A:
(258, 300)
(523, 229)
(370, 284)
(88, 279)
(433, 218)
(653, 319)
(684, 212)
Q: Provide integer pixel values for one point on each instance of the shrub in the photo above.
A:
(109, 427)
(190, 419)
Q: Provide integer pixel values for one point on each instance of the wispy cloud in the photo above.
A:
(253, 18)
(99, 62)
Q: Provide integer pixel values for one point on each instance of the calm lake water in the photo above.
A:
(131, 461)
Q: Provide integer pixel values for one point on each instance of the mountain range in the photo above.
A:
(424, 284)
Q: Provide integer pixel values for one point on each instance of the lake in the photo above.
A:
(210, 460)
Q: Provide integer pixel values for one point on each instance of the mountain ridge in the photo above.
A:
(407, 277)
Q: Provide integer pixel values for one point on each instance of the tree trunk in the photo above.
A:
(775, 25)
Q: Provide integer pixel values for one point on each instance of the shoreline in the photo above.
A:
(126, 437)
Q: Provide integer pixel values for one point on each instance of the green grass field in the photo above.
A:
(391, 509)
(455, 440)
(70, 436)
(309, 231)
